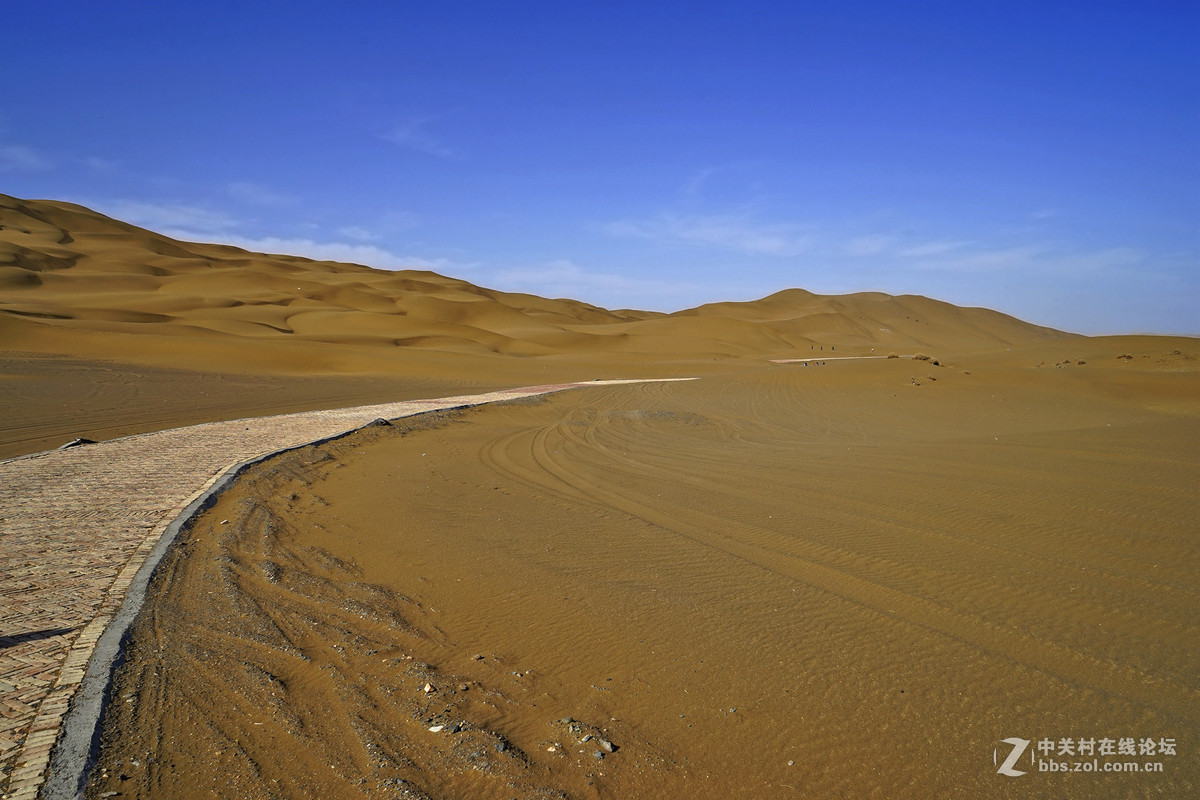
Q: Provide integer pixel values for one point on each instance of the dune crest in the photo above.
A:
(73, 281)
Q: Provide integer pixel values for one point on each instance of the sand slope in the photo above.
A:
(249, 333)
(782, 582)
(73, 281)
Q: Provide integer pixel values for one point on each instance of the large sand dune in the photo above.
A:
(851, 578)
(74, 279)
(249, 333)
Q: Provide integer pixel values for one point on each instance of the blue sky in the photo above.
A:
(1041, 158)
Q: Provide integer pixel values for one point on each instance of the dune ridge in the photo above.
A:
(74, 281)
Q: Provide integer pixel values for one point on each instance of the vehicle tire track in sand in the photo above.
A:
(559, 453)
(76, 525)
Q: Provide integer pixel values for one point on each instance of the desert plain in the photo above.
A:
(862, 541)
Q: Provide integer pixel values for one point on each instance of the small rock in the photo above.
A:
(436, 728)
(462, 687)
(607, 746)
(598, 755)
(428, 688)
(501, 746)
(478, 656)
(551, 749)
(586, 739)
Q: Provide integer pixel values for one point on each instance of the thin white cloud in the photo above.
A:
(564, 278)
(733, 232)
(1031, 261)
(693, 187)
(19, 158)
(412, 135)
(195, 223)
(368, 255)
(257, 195)
(180, 218)
(870, 245)
(380, 227)
(931, 248)
(358, 234)
(102, 166)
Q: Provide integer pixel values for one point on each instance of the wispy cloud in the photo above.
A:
(255, 194)
(368, 255)
(19, 158)
(869, 245)
(414, 136)
(176, 218)
(358, 234)
(380, 227)
(197, 223)
(564, 278)
(936, 248)
(101, 166)
(693, 187)
(1032, 260)
(736, 232)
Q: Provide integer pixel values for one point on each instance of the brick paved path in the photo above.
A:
(75, 526)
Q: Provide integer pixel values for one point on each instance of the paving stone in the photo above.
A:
(77, 524)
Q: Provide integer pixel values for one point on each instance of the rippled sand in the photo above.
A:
(845, 581)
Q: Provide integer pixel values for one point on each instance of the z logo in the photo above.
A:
(1018, 747)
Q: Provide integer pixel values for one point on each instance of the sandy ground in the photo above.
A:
(851, 579)
(782, 582)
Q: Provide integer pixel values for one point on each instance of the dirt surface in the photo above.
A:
(50, 400)
(853, 580)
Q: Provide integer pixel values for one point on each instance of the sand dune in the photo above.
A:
(79, 283)
(847, 579)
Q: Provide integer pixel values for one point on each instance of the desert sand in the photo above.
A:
(848, 579)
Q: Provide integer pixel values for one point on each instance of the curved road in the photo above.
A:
(76, 525)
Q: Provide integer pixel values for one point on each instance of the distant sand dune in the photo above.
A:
(69, 276)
